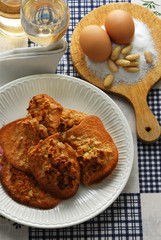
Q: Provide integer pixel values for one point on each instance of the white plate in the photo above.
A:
(80, 95)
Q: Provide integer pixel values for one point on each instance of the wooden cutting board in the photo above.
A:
(148, 129)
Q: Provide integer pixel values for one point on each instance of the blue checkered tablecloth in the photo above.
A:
(124, 218)
(136, 213)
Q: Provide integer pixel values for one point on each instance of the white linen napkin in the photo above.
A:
(20, 62)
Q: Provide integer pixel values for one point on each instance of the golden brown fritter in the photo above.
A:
(55, 167)
(69, 118)
(96, 152)
(17, 137)
(46, 110)
(24, 189)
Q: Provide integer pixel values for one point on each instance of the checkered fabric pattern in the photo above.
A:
(149, 155)
(123, 219)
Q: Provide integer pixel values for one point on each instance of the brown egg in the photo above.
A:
(95, 43)
(120, 26)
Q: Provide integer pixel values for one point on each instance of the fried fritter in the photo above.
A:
(69, 118)
(46, 110)
(96, 152)
(55, 167)
(24, 189)
(17, 137)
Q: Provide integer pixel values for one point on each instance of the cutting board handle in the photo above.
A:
(147, 126)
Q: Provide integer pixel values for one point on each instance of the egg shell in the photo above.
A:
(120, 26)
(95, 43)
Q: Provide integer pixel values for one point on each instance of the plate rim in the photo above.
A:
(101, 209)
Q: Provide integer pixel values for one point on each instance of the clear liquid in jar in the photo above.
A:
(10, 24)
(45, 21)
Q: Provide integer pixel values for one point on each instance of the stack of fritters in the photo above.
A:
(47, 153)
